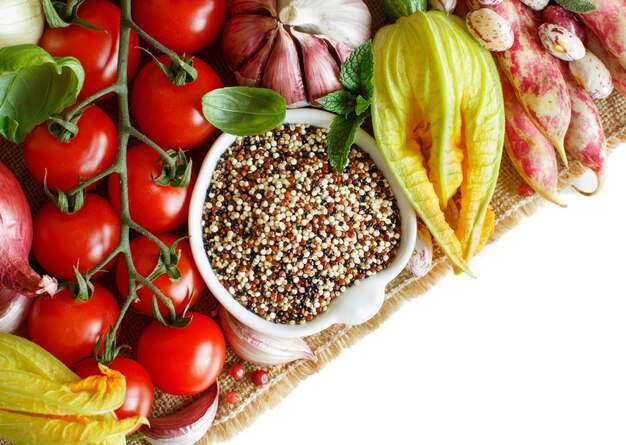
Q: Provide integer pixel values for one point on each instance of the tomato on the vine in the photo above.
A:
(68, 329)
(183, 361)
(145, 255)
(157, 208)
(97, 51)
(139, 388)
(183, 26)
(90, 151)
(83, 238)
(172, 115)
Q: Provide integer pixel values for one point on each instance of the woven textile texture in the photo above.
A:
(252, 401)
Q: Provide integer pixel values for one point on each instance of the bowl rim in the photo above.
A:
(349, 312)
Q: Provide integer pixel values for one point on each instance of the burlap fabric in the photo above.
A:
(507, 204)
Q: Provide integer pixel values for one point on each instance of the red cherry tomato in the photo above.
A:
(145, 255)
(172, 115)
(91, 151)
(96, 50)
(155, 207)
(69, 330)
(139, 387)
(186, 26)
(183, 361)
(84, 238)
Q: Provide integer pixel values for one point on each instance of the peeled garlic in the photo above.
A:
(422, 258)
(259, 348)
(295, 47)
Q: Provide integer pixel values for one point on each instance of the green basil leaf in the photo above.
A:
(33, 86)
(358, 70)
(579, 6)
(341, 136)
(244, 111)
(339, 102)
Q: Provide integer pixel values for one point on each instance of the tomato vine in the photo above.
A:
(176, 172)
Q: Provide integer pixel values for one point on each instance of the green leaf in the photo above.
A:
(579, 6)
(401, 8)
(33, 86)
(244, 111)
(362, 105)
(339, 102)
(358, 70)
(52, 15)
(341, 136)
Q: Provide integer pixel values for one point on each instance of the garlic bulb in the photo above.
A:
(21, 21)
(422, 258)
(259, 348)
(295, 47)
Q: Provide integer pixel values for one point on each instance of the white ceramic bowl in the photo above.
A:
(359, 302)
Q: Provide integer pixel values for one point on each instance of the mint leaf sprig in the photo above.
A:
(578, 6)
(352, 104)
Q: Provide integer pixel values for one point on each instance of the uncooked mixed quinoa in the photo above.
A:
(285, 233)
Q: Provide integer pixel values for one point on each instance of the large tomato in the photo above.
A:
(155, 207)
(171, 115)
(91, 151)
(83, 238)
(186, 26)
(96, 50)
(69, 330)
(183, 361)
(139, 388)
(145, 255)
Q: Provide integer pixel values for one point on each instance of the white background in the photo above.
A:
(530, 352)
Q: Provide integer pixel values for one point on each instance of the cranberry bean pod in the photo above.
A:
(608, 22)
(530, 152)
(533, 73)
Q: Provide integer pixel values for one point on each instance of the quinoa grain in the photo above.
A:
(285, 233)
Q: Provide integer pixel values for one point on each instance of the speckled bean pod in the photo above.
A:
(533, 73)
(585, 139)
(608, 22)
(530, 152)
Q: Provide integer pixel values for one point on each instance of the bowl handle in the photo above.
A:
(361, 302)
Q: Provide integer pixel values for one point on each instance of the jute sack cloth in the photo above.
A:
(508, 206)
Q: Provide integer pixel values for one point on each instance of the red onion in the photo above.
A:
(187, 426)
(17, 278)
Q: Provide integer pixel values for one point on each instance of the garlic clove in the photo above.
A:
(253, 7)
(262, 349)
(341, 50)
(422, 259)
(251, 72)
(321, 71)
(187, 426)
(348, 23)
(283, 72)
(447, 6)
(244, 36)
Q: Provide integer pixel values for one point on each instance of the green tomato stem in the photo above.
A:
(125, 131)
(146, 140)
